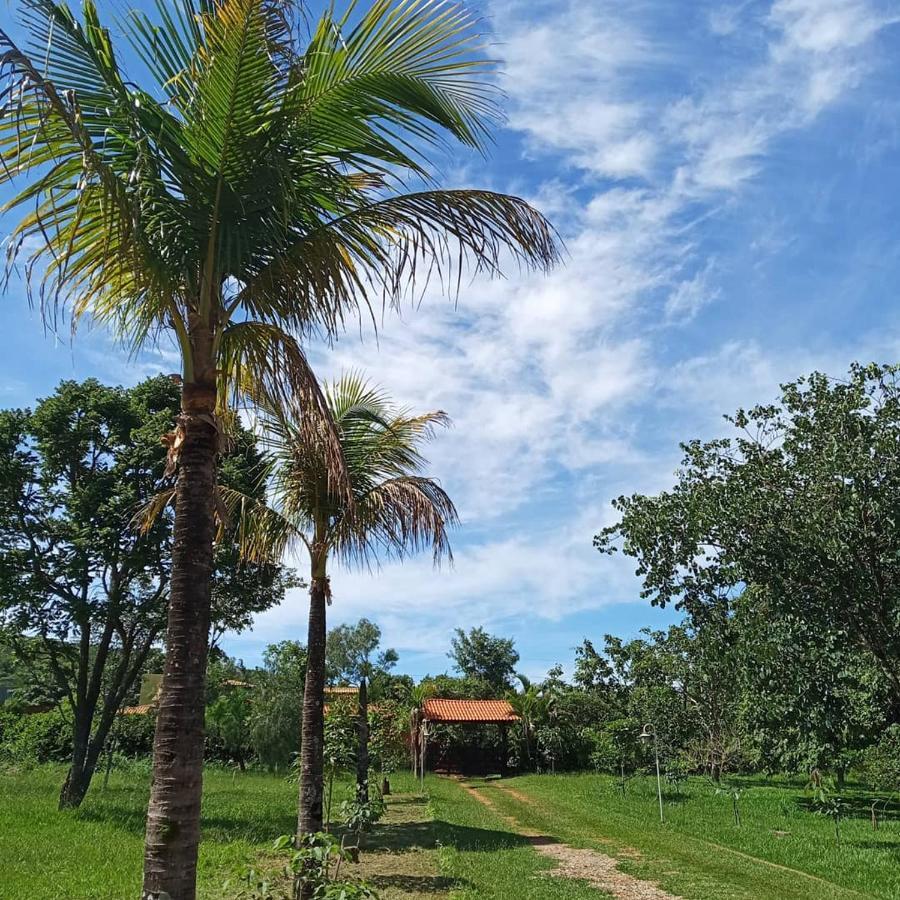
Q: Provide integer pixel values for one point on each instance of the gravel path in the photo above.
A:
(592, 866)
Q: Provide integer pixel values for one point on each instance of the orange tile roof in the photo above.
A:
(487, 711)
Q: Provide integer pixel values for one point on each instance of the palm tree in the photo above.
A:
(392, 510)
(250, 194)
(533, 705)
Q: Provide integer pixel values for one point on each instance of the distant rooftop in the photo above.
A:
(487, 712)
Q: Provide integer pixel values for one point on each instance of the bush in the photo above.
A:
(36, 737)
(881, 762)
(133, 735)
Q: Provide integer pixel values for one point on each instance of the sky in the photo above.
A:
(726, 177)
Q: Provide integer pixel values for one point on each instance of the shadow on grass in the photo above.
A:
(216, 827)
(418, 884)
(402, 836)
(859, 806)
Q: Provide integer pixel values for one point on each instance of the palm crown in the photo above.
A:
(253, 194)
(393, 507)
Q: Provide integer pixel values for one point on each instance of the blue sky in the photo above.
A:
(726, 176)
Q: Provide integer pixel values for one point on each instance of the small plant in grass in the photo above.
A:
(835, 809)
(826, 802)
(315, 867)
(734, 792)
(360, 815)
(676, 777)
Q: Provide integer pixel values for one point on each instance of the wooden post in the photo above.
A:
(424, 752)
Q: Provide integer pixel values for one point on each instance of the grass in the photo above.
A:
(95, 852)
(455, 847)
(781, 849)
(485, 858)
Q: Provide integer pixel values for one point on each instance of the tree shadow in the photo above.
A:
(402, 836)
(418, 884)
(859, 806)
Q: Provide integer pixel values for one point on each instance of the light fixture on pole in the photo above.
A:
(648, 733)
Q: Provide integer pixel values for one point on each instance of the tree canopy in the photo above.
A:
(484, 657)
(800, 504)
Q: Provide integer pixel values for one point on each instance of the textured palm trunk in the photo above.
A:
(362, 747)
(312, 738)
(173, 815)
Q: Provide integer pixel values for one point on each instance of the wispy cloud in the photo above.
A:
(639, 133)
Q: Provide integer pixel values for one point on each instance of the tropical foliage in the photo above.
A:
(248, 195)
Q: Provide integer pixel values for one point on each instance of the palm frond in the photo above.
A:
(264, 365)
(397, 517)
(375, 252)
(399, 78)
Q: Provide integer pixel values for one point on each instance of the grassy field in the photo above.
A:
(94, 853)
(453, 846)
(781, 850)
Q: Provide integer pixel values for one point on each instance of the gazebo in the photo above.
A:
(439, 711)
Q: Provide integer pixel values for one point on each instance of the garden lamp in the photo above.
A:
(646, 735)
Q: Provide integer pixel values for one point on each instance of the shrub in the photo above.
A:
(133, 735)
(36, 737)
(881, 762)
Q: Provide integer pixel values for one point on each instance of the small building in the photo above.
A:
(468, 737)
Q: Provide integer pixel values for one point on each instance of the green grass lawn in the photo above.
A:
(700, 853)
(95, 852)
(485, 858)
(460, 848)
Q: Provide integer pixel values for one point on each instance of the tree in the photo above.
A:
(248, 195)
(84, 592)
(533, 706)
(801, 505)
(228, 716)
(350, 655)
(274, 722)
(483, 656)
(810, 700)
(393, 510)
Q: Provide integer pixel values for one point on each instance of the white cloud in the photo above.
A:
(555, 385)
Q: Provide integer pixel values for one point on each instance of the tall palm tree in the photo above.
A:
(392, 510)
(248, 194)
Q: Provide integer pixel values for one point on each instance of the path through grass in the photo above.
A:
(781, 850)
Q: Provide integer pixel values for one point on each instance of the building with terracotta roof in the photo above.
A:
(462, 736)
(472, 712)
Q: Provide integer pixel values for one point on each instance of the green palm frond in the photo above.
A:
(403, 73)
(395, 510)
(374, 253)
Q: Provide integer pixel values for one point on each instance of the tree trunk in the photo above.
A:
(362, 747)
(312, 740)
(173, 814)
(78, 778)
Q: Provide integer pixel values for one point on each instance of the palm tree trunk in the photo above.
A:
(312, 741)
(362, 747)
(173, 814)
(312, 738)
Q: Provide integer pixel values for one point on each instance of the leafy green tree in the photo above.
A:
(533, 707)
(274, 721)
(84, 592)
(484, 657)
(393, 510)
(228, 717)
(350, 655)
(809, 699)
(250, 193)
(800, 504)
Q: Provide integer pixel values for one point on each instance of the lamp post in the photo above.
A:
(648, 733)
